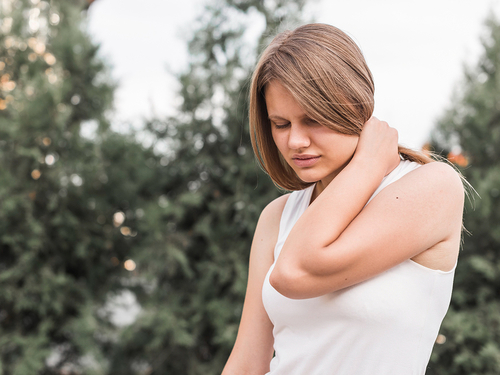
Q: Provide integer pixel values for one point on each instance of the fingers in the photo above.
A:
(379, 142)
(374, 128)
(373, 121)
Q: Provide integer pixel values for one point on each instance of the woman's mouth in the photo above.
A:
(305, 160)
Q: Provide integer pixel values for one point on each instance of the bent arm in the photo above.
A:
(253, 349)
(337, 243)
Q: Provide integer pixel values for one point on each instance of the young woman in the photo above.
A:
(351, 273)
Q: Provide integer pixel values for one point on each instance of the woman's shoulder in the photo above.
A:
(271, 214)
(267, 231)
(436, 186)
(444, 188)
(441, 175)
(437, 182)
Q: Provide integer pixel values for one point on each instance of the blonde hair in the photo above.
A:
(326, 73)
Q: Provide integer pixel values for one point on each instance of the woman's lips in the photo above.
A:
(305, 160)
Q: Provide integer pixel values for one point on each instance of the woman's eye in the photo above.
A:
(281, 126)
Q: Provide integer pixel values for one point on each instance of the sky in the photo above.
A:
(416, 51)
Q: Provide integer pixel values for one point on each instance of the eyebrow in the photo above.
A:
(275, 117)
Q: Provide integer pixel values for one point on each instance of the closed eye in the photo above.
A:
(281, 126)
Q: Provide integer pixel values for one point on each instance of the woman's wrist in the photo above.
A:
(368, 165)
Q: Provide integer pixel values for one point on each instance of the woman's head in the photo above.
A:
(326, 73)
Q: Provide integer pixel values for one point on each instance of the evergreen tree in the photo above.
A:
(71, 193)
(196, 261)
(471, 130)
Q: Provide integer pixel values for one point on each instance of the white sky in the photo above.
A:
(415, 49)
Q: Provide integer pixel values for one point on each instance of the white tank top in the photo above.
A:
(386, 325)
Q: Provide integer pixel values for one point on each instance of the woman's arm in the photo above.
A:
(253, 348)
(337, 243)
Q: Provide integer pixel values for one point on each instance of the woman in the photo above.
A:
(350, 274)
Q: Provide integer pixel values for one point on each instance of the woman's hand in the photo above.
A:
(378, 143)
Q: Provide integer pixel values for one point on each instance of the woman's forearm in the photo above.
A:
(308, 259)
(327, 217)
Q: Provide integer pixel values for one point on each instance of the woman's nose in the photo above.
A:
(298, 137)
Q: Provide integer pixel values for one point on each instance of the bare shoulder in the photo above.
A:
(426, 205)
(432, 194)
(439, 179)
(443, 173)
(271, 214)
(445, 187)
(267, 231)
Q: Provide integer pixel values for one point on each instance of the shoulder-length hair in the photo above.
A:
(326, 73)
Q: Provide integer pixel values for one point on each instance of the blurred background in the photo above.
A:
(129, 192)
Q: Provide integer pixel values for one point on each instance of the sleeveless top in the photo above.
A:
(386, 325)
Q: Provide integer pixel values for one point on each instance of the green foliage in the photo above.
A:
(60, 252)
(196, 257)
(472, 326)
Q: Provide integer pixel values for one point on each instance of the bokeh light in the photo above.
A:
(441, 339)
(50, 159)
(49, 58)
(54, 19)
(35, 174)
(125, 231)
(129, 265)
(118, 218)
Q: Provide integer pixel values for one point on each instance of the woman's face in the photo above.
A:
(316, 153)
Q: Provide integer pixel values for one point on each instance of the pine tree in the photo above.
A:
(470, 129)
(213, 193)
(71, 193)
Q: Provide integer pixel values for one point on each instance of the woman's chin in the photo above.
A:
(311, 178)
(308, 178)
(308, 181)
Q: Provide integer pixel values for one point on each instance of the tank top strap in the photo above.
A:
(404, 167)
(297, 203)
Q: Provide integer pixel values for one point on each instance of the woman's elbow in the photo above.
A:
(288, 282)
(309, 280)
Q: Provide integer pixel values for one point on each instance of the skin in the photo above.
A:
(338, 242)
(296, 135)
